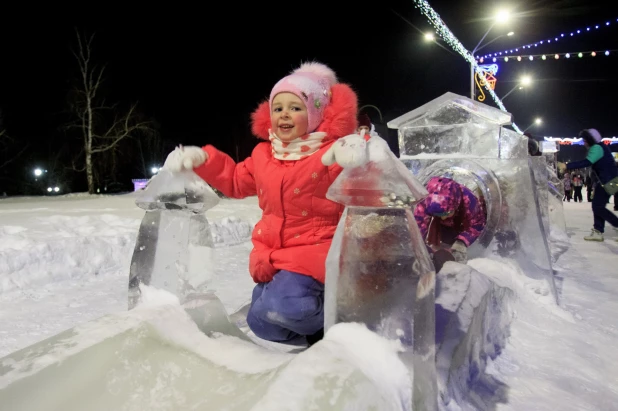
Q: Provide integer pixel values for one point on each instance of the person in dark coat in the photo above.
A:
(588, 184)
(602, 162)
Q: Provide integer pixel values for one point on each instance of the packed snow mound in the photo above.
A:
(72, 248)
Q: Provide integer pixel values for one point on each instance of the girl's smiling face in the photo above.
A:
(288, 117)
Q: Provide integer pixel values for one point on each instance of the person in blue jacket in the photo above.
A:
(600, 159)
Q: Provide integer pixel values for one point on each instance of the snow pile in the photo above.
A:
(63, 248)
(230, 231)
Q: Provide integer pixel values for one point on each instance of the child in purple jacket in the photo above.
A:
(450, 217)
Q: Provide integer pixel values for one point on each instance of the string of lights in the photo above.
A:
(555, 39)
(578, 141)
(547, 56)
(449, 38)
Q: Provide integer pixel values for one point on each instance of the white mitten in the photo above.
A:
(349, 151)
(185, 158)
(460, 251)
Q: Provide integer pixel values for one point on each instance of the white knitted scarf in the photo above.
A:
(298, 148)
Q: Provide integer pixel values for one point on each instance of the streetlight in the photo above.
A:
(38, 172)
(524, 81)
(429, 36)
(537, 121)
(154, 170)
(500, 17)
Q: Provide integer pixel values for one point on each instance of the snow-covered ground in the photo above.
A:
(65, 260)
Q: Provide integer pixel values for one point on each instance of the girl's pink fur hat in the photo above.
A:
(311, 82)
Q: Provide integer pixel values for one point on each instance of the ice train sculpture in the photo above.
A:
(459, 138)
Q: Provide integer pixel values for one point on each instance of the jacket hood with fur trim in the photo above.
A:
(339, 116)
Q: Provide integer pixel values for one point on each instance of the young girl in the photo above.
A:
(306, 113)
(450, 216)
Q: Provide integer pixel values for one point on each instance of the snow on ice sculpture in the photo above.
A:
(459, 138)
(174, 246)
(378, 270)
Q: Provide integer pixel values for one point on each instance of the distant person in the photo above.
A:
(308, 114)
(589, 185)
(533, 146)
(364, 123)
(566, 182)
(604, 168)
(576, 181)
(616, 196)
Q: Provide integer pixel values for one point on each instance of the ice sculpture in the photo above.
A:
(378, 270)
(174, 245)
(459, 138)
(550, 191)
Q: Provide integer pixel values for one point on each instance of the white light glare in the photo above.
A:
(502, 16)
(56, 189)
(538, 120)
(154, 170)
(49, 189)
(510, 33)
(429, 36)
(38, 172)
(526, 80)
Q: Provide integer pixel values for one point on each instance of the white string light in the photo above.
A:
(449, 38)
(532, 57)
(554, 39)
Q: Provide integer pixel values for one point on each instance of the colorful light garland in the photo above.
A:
(576, 141)
(486, 77)
(449, 38)
(554, 39)
(548, 56)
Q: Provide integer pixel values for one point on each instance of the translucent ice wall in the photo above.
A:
(378, 270)
(467, 141)
(558, 238)
(174, 246)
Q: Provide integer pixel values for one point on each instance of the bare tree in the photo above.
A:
(102, 127)
(10, 150)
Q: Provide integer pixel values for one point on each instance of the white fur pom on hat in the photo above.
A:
(311, 82)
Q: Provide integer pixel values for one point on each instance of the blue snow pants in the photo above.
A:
(288, 306)
(600, 212)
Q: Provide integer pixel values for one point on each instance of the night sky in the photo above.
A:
(200, 70)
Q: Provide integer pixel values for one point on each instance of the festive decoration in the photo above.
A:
(486, 76)
(576, 141)
(449, 38)
(554, 39)
(532, 57)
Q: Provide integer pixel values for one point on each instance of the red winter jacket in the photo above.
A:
(298, 221)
